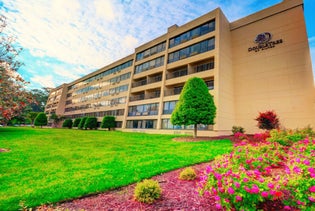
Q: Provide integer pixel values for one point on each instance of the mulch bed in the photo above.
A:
(176, 194)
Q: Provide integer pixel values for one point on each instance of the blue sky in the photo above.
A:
(67, 39)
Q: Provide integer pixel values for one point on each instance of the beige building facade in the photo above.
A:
(258, 63)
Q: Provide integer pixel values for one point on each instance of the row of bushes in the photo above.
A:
(90, 123)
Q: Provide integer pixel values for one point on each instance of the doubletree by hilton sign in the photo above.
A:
(264, 42)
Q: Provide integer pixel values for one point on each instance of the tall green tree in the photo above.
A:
(108, 122)
(41, 119)
(195, 105)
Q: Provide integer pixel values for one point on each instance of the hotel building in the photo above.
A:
(258, 63)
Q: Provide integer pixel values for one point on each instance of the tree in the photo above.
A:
(56, 119)
(195, 105)
(41, 119)
(40, 97)
(82, 122)
(67, 123)
(13, 95)
(268, 120)
(76, 122)
(32, 115)
(108, 122)
(91, 123)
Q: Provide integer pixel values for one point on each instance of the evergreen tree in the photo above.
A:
(41, 119)
(82, 122)
(195, 105)
(108, 122)
(91, 123)
(67, 123)
(76, 122)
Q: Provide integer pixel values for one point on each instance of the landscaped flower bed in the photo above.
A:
(264, 172)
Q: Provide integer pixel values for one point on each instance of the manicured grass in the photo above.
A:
(51, 165)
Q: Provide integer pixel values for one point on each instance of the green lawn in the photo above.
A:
(51, 165)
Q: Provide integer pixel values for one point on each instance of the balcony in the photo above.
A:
(150, 80)
(144, 113)
(174, 91)
(203, 67)
(176, 74)
(139, 83)
(150, 95)
(154, 79)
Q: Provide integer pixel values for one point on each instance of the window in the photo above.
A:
(191, 34)
(166, 124)
(169, 107)
(192, 50)
(151, 51)
(141, 124)
(110, 71)
(149, 65)
(143, 110)
(210, 84)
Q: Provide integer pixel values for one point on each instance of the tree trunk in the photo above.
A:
(195, 131)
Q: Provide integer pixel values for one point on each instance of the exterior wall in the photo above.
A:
(245, 82)
(224, 78)
(278, 78)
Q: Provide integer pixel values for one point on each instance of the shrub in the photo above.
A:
(268, 120)
(237, 129)
(147, 191)
(76, 122)
(67, 123)
(41, 119)
(91, 123)
(187, 174)
(288, 137)
(82, 122)
(108, 122)
(240, 136)
(243, 179)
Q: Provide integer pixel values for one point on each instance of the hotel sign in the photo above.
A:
(264, 42)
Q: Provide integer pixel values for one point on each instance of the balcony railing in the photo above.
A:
(149, 81)
(177, 73)
(145, 97)
(203, 67)
(144, 113)
(175, 91)
(196, 69)
(139, 83)
(136, 97)
(155, 79)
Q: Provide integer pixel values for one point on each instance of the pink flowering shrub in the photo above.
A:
(246, 177)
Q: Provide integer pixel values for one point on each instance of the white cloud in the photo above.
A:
(44, 81)
(82, 36)
(104, 9)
